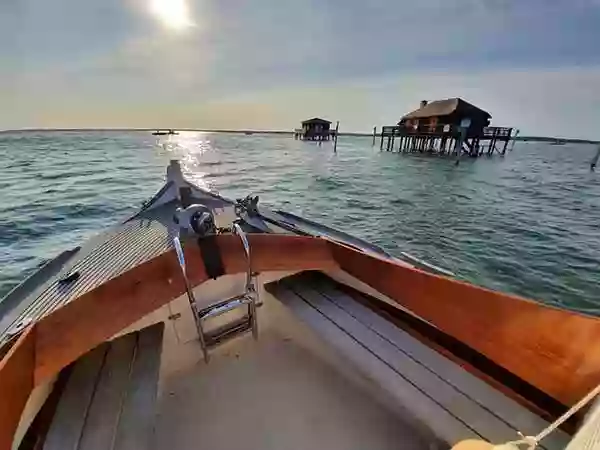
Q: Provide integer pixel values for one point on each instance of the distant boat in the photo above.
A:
(164, 132)
(248, 133)
(558, 142)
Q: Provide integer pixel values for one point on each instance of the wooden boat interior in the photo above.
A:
(353, 350)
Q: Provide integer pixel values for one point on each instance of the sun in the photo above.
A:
(172, 13)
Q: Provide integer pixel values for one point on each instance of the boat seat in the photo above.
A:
(410, 376)
(109, 399)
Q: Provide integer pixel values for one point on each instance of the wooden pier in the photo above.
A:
(445, 140)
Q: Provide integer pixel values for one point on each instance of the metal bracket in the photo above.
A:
(248, 205)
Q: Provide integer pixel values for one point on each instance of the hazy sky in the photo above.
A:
(268, 64)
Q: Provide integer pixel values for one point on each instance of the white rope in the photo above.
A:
(533, 441)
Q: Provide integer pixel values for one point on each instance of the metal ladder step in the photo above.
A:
(235, 327)
(249, 299)
(223, 307)
(227, 331)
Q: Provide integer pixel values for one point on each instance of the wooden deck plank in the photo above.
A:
(547, 348)
(519, 417)
(427, 381)
(103, 417)
(136, 423)
(71, 413)
(425, 410)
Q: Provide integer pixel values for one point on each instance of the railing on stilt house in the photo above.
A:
(444, 139)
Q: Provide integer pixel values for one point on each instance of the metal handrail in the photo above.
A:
(237, 229)
(447, 130)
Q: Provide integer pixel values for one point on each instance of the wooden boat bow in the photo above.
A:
(546, 347)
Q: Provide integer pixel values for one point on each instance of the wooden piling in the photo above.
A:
(445, 140)
(337, 128)
(595, 160)
(374, 134)
(504, 148)
(514, 139)
(459, 144)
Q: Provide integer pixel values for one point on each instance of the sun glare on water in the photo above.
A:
(173, 14)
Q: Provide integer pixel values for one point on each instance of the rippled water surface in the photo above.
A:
(528, 223)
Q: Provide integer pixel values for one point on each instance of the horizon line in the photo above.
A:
(252, 131)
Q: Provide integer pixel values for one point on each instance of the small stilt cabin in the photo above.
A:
(314, 129)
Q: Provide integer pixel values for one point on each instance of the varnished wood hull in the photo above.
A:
(551, 349)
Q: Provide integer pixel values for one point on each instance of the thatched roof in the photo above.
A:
(316, 120)
(439, 108)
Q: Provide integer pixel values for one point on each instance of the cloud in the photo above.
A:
(70, 63)
(560, 102)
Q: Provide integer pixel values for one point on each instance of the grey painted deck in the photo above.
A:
(451, 402)
(107, 255)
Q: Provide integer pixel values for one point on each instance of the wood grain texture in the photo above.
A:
(103, 416)
(109, 399)
(424, 411)
(428, 353)
(75, 401)
(16, 384)
(430, 383)
(77, 327)
(490, 373)
(552, 349)
(136, 422)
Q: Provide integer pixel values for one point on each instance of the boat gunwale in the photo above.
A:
(68, 332)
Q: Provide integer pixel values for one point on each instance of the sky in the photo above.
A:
(269, 64)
